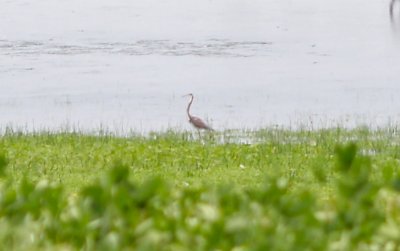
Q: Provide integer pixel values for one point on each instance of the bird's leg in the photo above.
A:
(210, 135)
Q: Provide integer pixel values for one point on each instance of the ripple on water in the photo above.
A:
(212, 47)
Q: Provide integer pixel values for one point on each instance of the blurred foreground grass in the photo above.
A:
(269, 189)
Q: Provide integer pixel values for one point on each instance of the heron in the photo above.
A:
(394, 11)
(196, 121)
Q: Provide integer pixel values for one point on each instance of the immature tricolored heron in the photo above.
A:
(195, 121)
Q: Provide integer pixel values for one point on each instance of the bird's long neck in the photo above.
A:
(188, 107)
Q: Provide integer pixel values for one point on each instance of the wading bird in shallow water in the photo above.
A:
(195, 121)
(394, 9)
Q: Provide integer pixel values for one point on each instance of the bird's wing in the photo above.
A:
(199, 123)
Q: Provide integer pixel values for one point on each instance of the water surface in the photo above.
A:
(124, 65)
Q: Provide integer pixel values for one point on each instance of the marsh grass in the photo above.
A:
(270, 189)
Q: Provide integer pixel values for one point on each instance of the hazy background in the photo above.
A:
(124, 65)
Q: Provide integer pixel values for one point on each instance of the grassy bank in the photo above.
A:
(269, 189)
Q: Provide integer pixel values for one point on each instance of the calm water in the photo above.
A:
(124, 65)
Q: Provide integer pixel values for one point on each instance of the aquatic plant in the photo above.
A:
(287, 191)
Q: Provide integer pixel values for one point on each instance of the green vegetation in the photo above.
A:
(269, 189)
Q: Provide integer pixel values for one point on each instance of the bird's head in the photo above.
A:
(188, 95)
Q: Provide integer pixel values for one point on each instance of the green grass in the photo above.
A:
(269, 189)
(76, 159)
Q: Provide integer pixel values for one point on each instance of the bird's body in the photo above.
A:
(196, 121)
